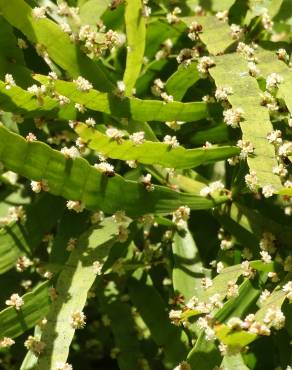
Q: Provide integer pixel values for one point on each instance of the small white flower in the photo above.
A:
(222, 93)
(15, 301)
(274, 317)
(175, 316)
(268, 191)
(6, 342)
(274, 137)
(253, 69)
(246, 147)
(283, 55)
(280, 170)
(63, 100)
(285, 149)
(236, 31)
(167, 98)
(132, 164)
(23, 263)
(76, 206)
(252, 181)
(38, 186)
(39, 12)
(90, 122)
(9, 81)
(287, 289)
(80, 107)
(38, 91)
(234, 323)
(138, 138)
(63, 366)
(222, 16)
(232, 289)
(212, 188)
(71, 152)
(173, 16)
(232, 117)
(206, 283)
(146, 181)
(115, 134)
(174, 125)
(264, 296)
(266, 257)
(246, 50)
(105, 168)
(267, 21)
(183, 366)
(30, 137)
(82, 84)
(273, 81)
(171, 141)
(77, 320)
(53, 76)
(35, 345)
(121, 87)
(204, 64)
(181, 216)
(97, 267)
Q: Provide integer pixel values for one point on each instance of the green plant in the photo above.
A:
(146, 184)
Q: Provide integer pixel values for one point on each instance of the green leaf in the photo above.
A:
(152, 152)
(73, 284)
(234, 362)
(88, 15)
(153, 311)
(233, 338)
(123, 330)
(61, 50)
(231, 70)
(77, 180)
(19, 239)
(136, 36)
(215, 34)
(188, 269)
(132, 108)
(181, 80)
(14, 323)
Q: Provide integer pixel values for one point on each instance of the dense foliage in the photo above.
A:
(145, 183)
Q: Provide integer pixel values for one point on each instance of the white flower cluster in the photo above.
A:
(35, 345)
(39, 92)
(253, 69)
(105, 168)
(246, 147)
(283, 55)
(267, 100)
(252, 181)
(222, 16)
(39, 12)
(195, 29)
(146, 181)
(186, 56)
(236, 31)
(232, 117)
(274, 317)
(77, 320)
(246, 50)
(173, 16)
(221, 93)
(71, 152)
(267, 21)
(15, 301)
(138, 138)
(63, 366)
(268, 190)
(181, 216)
(6, 342)
(204, 64)
(82, 84)
(212, 188)
(267, 242)
(38, 186)
(75, 205)
(9, 81)
(171, 141)
(115, 134)
(273, 81)
(23, 263)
